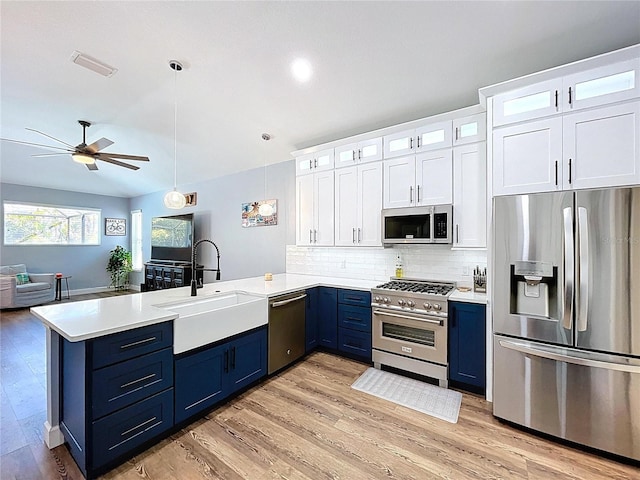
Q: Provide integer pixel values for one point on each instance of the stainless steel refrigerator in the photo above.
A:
(566, 315)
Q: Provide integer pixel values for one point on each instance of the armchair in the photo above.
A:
(40, 288)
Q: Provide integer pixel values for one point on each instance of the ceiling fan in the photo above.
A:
(83, 153)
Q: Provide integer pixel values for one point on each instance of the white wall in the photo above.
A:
(244, 252)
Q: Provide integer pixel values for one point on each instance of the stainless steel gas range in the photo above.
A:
(410, 326)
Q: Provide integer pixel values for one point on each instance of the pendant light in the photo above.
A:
(175, 199)
(266, 209)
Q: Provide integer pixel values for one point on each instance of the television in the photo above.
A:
(172, 237)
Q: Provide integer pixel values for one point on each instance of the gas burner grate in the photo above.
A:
(418, 287)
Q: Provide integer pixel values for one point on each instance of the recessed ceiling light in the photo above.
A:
(301, 69)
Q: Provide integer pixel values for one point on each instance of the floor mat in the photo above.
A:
(423, 397)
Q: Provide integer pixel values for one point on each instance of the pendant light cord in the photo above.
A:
(175, 129)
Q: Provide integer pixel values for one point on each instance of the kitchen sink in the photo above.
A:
(204, 320)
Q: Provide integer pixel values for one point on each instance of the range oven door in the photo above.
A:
(423, 337)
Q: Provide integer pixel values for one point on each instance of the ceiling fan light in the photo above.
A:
(83, 158)
(175, 200)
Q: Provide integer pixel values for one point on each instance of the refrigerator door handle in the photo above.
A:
(583, 253)
(544, 353)
(567, 312)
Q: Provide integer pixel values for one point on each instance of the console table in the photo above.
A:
(169, 274)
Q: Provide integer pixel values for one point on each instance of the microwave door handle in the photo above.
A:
(583, 254)
(567, 310)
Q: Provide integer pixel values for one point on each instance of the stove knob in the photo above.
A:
(427, 306)
(411, 303)
(401, 302)
(386, 300)
(377, 299)
(437, 307)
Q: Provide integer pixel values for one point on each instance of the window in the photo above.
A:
(136, 239)
(31, 224)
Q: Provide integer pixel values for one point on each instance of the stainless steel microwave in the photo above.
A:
(417, 224)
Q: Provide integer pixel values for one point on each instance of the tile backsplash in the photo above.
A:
(433, 262)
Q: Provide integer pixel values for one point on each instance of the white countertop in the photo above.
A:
(469, 297)
(87, 319)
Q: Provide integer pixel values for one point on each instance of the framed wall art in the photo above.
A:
(115, 226)
(261, 213)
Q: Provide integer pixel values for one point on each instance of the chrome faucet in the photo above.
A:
(194, 285)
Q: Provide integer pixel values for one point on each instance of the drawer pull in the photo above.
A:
(129, 345)
(137, 426)
(128, 384)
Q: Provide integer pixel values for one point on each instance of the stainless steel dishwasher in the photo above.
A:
(286, 329)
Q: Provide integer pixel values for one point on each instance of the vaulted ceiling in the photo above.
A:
(375, 64)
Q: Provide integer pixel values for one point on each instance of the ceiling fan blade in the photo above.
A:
(104, 158)
(37, 145)
(49, 154)
(99, 145)
(49, 136)
(125, 157)
(91, 166)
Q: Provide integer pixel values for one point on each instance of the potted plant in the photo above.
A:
(119, 266)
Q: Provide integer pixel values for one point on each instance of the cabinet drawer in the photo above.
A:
(356, 318)
(117, 434)
(125, 383)
(355, 343)
(354, 297)
(125, 345)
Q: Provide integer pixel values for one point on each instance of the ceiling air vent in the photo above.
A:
(92, 64)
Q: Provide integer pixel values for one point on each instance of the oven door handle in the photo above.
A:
(411, 317)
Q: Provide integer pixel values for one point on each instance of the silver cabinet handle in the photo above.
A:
(418, 195)
(418, 141)
(457, 233)
(359, 239)
(410, 194)
(137, 426)
(568, 268)
(129, 345)
(315, 236)
(569, 171)
(310, 236)
(289, 300)
(353, 235)
(410, 317)
(556, 173)
(353, 155)
(456, 133)
(310, 164)
(128, 384)
(411, 143)
(583, 252)
(315, 163)
(544, 353)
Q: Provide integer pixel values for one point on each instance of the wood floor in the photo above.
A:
(306, 423)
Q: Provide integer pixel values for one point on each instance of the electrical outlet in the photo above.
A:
(465, 270)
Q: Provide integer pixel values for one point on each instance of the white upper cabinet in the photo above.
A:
(528, 157)
(470, 196)
(358, 202)
(359, 152)
(470, 129)
(533, 101)
(399, 182)
(434, 178)
(590, 88)
(315, 162)
(418, 180)
(314, 209)
(602, 147)
(432, 136)
(592, 148)
(603, 85)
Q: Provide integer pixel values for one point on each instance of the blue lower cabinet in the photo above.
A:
(467, 344)
(209, 375)
(311, 320)
(199, 382)
(116, 394)
(355, 343)
(120, 432)
(354, 324)
(328, 317)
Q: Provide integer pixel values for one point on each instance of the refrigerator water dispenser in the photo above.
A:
(530, 282)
